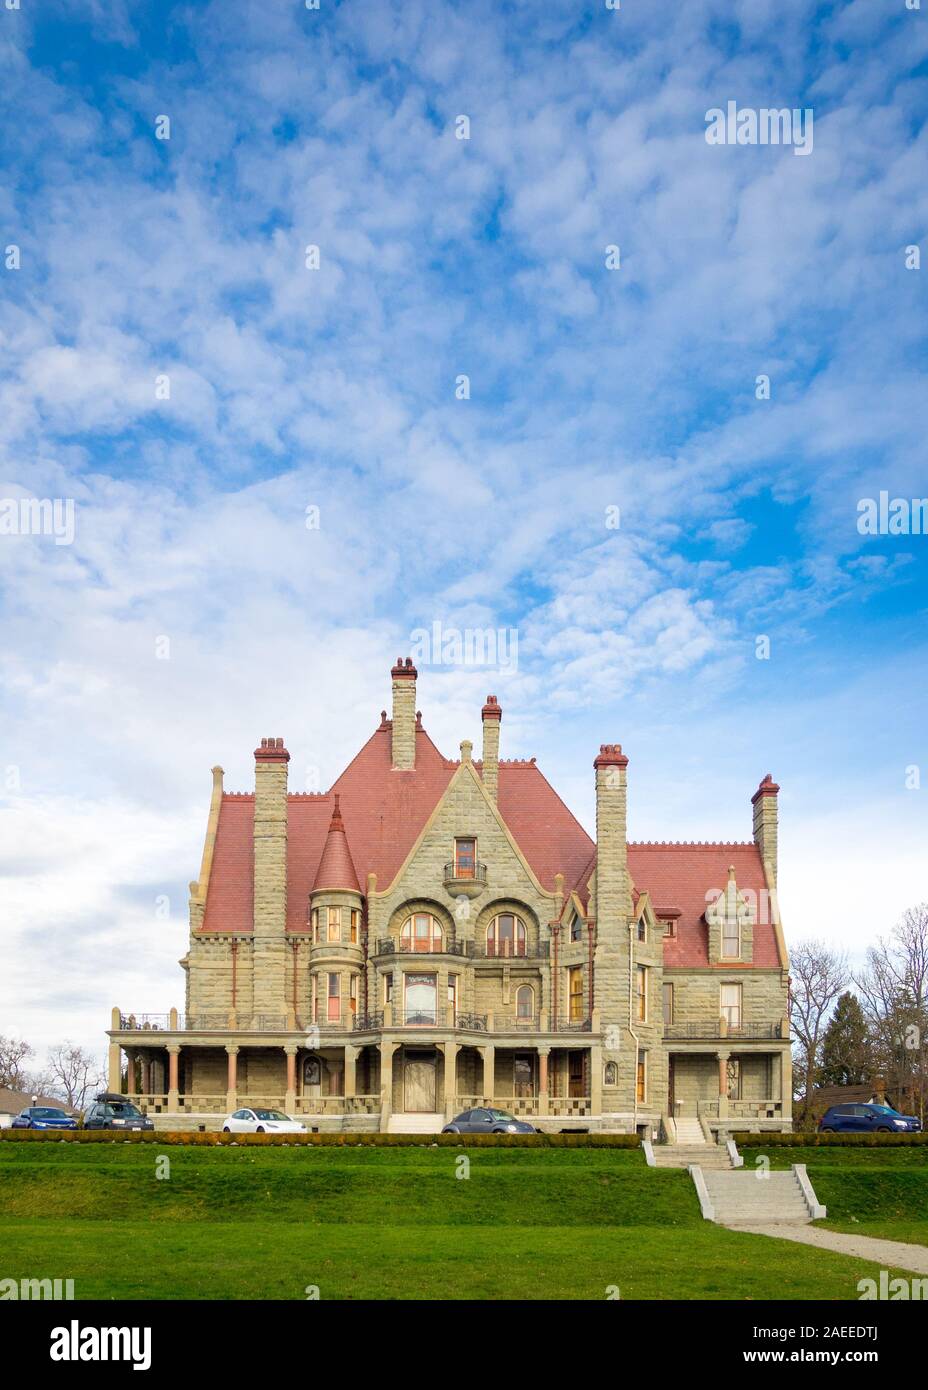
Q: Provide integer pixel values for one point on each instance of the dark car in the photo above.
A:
(487, 1120)
(43, 1117)
(864, 1119)
(110, 1111)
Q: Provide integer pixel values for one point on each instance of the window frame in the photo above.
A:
(641, 993)
(518, 940)
(461, 868)
(726, 1009)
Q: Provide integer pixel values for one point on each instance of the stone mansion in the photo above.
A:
(432, 934)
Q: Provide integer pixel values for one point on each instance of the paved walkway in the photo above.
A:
(889, 1254)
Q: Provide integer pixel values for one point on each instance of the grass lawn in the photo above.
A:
(383, 1223)
(869, 1192)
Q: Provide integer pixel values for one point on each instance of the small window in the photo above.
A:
(525, 1003)
(642, 930)
(610, 1074)
(670, 926)
(315, 924)
(731, 936)
(355, 925)
(576, 929)
(334, 1001)
(730, 1004)
(668, 1003)
(575, 994)
(353, 993)
(642, 973)
(641, 1079)
(388, 989)
(453, 995)
(465, 858)
(335, 924)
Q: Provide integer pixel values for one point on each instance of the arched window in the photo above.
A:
(610, 1074)
(421, 932)
(525, 1004)
(506, 936)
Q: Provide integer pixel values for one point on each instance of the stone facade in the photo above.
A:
(411, 948)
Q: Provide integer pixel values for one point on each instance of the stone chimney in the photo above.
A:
(270, 845)
(404, 714)
(764, 802)
(492, 716)
(613, 901)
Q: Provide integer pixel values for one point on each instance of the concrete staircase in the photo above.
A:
(689, 1131)
(415, 1124)
(707, 1156)
(742, 1198)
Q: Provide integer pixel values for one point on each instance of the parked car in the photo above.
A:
(111, 1111)
(259, 1121)
(43, 1117)
(486, 1120)
(864, 1119)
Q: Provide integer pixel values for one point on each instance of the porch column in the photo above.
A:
(786, 1083)
(723, 1084)
(596, 1080)
(173, 1050)
(386, 1076)
(351, 1071)
(290, 1101)
(489, 1070)
(451, 1050)
(543, 1080)
(232, 1078)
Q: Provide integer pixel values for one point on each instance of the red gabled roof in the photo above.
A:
(383, 812)
(680, 876)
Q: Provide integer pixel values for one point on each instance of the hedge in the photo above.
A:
(817, 1139)
(327, 1140)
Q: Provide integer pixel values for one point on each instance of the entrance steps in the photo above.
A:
(416, 1124)
(689, 1130)
(743, 1199)
(707, 1156)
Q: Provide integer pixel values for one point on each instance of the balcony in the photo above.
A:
(717, 1030)
(422, 946)
(465, 880)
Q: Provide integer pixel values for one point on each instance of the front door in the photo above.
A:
(575, 1077)
(419, 1076)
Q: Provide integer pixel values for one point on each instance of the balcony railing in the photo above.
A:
(460, 873)
(712, 1030)
(439, 1018)
(423, 946)
(572, 1025)
(367, 1023)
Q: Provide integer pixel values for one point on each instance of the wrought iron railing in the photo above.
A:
(457, 873)
(430, 946)
(712, 1030)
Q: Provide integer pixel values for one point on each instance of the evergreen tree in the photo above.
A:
(847, 1050)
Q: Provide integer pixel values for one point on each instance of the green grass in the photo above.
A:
(868, 1191)
(384, 1224)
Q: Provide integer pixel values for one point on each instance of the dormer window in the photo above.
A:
(576, 929)
(642, 930)
(731, 937)
(465, 858)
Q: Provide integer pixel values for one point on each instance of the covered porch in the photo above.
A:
(731, 1087)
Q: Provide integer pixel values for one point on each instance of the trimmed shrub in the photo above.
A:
(815, 1139)
(194, 1138)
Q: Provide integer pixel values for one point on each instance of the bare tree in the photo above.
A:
(75, 1073)
(894, 991)
(817, 977)
(14, 1053)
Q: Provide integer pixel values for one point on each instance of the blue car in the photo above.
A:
(864, 1119)
(43, 1117)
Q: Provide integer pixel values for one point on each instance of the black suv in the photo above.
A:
(110, 1111)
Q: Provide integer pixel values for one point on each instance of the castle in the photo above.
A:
(431, 934)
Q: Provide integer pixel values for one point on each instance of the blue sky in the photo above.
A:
(335, 388)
